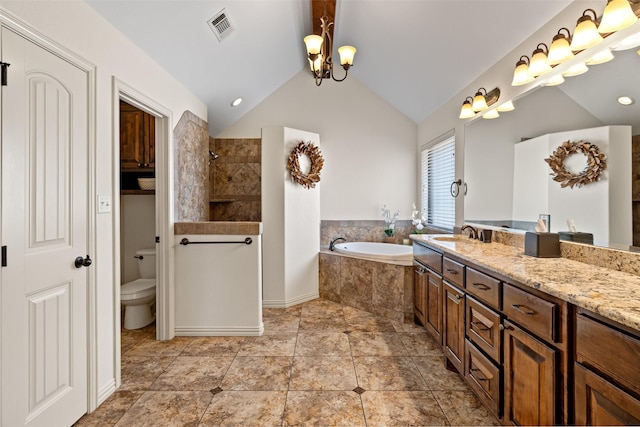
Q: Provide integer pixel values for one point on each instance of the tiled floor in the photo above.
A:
(319, 363)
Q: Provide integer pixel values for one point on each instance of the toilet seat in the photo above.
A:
(139, 288)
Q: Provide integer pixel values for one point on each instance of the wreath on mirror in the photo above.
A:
(309, 179)
(596, 164)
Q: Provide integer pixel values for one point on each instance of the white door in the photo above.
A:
(44, 227)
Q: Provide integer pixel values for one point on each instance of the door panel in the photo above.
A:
(44, 226)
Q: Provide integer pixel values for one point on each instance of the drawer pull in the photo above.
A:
(474, 370)
(420, 271)
(458, 297)
(480, 325)
(481, 286)
(452, 271)
(526, 310)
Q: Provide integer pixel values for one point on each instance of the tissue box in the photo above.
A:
(542, 245)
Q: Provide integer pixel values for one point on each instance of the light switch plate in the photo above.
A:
(104, 203)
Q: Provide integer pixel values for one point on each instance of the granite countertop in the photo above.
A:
(218, 227)
(610, 293)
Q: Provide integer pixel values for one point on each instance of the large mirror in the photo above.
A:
(509, 184)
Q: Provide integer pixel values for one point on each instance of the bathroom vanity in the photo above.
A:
(540, 341)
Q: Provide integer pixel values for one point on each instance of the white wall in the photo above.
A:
(78, 28)
(291, 219)
(368, 146)
(137, 231)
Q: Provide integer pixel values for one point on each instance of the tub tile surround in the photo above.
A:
(380, 288)
(611, 293)
(357, 376)
(191, 180)
(364, 231)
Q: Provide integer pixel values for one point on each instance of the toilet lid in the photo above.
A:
(136, 286)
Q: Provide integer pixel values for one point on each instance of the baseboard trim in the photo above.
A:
(290, 302)
(106, 390)
(197, 331)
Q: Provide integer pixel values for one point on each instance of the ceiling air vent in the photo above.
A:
(221, 25)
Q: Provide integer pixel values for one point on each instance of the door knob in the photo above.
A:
(83, 262)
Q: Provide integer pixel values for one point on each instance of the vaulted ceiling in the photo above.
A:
(414, 54)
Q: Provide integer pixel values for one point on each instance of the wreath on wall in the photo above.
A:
(307, 180)
(596, 164)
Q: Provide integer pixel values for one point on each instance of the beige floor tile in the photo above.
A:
(258, 373)
(376, 344)
(213, 346)
(388, 373)
(463, 408)
(312, 343)
(402, 408)
(166, 408)
(245, 408)
(139, 372)
(323, 373)
(420, 344)
(281, 324)
(322, 307)
(193, 373)
(323, 322)
(269, 345)
(151, 347)
(437, 376)
(407, 327)
(358, 320)
(111, 409)
(323, 408)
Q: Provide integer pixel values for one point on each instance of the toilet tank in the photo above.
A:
(146, 263)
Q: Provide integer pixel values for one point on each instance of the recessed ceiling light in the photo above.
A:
(626, 100)
(236, 102)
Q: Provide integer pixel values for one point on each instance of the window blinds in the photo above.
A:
(437, 174)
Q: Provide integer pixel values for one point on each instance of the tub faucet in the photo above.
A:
(473, 233)
(332, 245)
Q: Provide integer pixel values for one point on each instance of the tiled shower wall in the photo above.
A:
(235, 180)
(191, 137)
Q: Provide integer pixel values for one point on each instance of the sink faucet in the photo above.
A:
(473, 233)
(332, 245)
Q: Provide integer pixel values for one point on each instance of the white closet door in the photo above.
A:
(44, 226)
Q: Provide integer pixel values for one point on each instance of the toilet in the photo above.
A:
(139, 296)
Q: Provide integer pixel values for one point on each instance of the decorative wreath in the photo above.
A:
(596, 163)
(307, 180)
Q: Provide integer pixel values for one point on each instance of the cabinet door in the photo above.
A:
(530, 379)
(149, 140)
(600, 403)
(131, 136)
(453, 330)
(433, 316)
(420, 293)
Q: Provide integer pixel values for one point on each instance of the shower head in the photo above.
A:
(212, 156)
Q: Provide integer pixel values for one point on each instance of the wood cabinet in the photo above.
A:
(433, 316)
(483, 376)
(607, 381)
(530, 371)
(419, 293)
(453, 328)
(137, 138)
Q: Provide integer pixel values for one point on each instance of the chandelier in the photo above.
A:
(319, 50)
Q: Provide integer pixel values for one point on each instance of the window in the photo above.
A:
(437, 174)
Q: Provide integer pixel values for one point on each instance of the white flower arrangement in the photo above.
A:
(389, 220)
(416, 219)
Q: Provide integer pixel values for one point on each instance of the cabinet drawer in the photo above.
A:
(620, 359)
(453, 272)
(485, 288)
(483, 328)
(483, 377)
(533, 313)
(428, 257)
